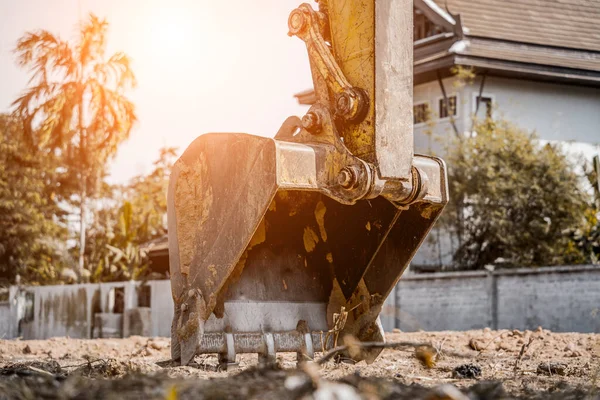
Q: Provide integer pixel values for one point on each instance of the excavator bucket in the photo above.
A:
(292, 243)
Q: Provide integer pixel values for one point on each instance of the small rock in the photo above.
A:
(539, 329)
(467, 371)
(476, 344)
(487, 390)
(572, 350)
(517, 332)
(156, 345)
(552, 368)
(505, 346)
(396, 330)
(486, 330)
(27, 350)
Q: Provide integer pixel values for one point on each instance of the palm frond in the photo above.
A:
(116, 72)
(44, 108)
(42, 52)
(92, 42)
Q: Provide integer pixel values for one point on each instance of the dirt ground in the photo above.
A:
(481, 364)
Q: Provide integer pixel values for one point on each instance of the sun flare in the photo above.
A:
(171, 32)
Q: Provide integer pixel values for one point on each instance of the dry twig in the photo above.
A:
(487, 345)
(524, 349)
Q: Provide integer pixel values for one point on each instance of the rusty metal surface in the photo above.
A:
(270, 239)
(265, 344)
(307, 241)
(352, 27)
(255, 316)
(394, 88)
(208, 231)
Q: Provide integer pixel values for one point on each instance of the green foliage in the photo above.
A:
(30, 234)
(113, 248)
(134, 214)
(75, 102)
(464, 76)
(587, 238)
(591, 174)
(75, 105)
(513, 201)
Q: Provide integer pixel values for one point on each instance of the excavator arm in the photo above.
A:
(292, 244)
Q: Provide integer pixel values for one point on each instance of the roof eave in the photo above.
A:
(530, 70)
(436, 14)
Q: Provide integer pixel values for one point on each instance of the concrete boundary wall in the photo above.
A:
(40, 312)
(5, 318)
(562, 299)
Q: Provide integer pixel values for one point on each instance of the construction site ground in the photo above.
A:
(526, 365)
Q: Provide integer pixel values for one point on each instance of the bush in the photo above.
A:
(513, 200)
(30, 235)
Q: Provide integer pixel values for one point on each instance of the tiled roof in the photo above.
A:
(555, 40)
(526, 53)
(573, 24)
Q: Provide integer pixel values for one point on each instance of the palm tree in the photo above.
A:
(75, 104)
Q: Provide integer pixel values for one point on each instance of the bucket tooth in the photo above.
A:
(227, 357)
(190, 327)
(268, 356)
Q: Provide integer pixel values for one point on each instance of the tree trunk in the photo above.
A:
(82, 205)
(82, 228)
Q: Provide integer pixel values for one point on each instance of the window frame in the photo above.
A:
(449, 95)
(483, 95)
(418, 103)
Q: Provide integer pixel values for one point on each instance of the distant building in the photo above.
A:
(158, 255)
(537, 64)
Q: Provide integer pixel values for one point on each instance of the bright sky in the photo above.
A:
(202, 65)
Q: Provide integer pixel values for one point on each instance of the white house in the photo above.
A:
(536, 63)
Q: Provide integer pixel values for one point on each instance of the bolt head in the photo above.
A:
(351, 103)
(310, 122)
(296, 22)
(343, 103)
(345, 178)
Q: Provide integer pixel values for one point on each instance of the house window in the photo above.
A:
(484, 103)
(420, 113)
(447, 109)
(144, 295)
